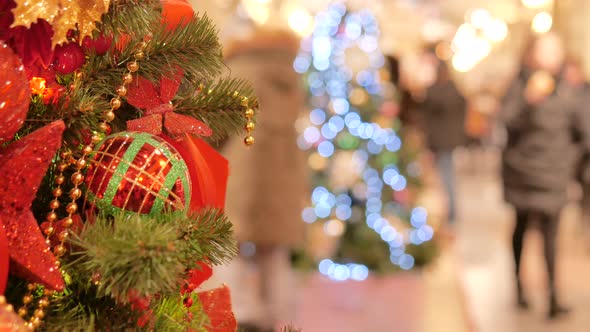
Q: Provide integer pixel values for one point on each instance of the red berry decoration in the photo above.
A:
(100, 45)
(68, 58)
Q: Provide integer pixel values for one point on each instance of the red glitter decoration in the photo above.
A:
(158, 106)
(14, 93)
(10, 321)
(217, 305)
(4, 260)
(22, 167)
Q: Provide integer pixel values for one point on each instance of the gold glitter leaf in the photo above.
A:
(63, 15)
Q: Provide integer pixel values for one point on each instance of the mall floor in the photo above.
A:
(470, 288)
(484, 252)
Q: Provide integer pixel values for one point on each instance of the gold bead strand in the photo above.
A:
(42, 304)
(72, 207)
(121, 90)
(250, 126)
(27, 300)
(77, 177)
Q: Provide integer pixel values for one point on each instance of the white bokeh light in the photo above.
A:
(542, 22)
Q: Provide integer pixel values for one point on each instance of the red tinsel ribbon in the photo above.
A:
(208, 170)
(156, 101)
(217, 305)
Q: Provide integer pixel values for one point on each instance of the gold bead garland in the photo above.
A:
(250, 126)
(77, 178)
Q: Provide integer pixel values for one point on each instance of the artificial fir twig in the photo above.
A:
(217, 106)
(170, 315)
(148, 255)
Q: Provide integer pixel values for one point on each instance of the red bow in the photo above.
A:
(158, 108)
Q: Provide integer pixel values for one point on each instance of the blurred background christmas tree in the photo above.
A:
(366, 167)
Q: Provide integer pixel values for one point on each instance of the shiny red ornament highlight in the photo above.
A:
(99, 45)
(175, 12)
(14, 93)
(68, 58)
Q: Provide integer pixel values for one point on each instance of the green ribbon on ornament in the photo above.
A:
(178, 171)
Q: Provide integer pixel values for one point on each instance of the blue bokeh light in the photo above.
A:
(323, 56)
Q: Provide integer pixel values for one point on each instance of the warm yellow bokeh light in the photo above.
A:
(542, 22)
(464, 36)
(334, 227)
(464, 61)
(495, 30)
(316, 162)
(537, 3)
(480, 18)
(301, 22)
(257, 10)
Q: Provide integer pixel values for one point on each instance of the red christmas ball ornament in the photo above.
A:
(100, 45)
(14, 93)
(68, 58)
(175, 12)
(137, 172)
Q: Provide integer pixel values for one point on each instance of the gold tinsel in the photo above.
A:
(63, 15)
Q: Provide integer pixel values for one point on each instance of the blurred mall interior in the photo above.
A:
(410, 142)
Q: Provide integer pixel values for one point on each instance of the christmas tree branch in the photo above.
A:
(170, 314)
(219, 106)
(212, 238)
(148, 255)
(131, 253)
(127, 17)
(79, 308)
(194, 47)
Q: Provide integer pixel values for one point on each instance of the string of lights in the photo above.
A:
(354, 153)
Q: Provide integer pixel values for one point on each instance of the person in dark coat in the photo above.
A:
(443, 112)
(575, 77)
(542, 117)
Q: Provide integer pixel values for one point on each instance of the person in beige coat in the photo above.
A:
(267, 182)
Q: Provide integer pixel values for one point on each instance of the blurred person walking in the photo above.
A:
(575, 77)
(267, 184)
(542, 117)
(444, 110)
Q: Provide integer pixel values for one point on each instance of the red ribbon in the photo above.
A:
(159, 110)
